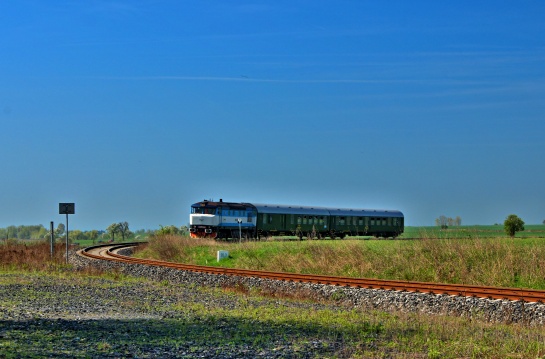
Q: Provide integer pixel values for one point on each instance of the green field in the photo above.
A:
(477, 231)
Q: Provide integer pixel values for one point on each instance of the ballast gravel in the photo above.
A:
(491, 310)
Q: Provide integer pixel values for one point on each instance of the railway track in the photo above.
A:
(110, 253)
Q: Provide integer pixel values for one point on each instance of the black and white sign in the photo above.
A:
(67, 208)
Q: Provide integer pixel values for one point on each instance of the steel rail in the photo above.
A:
(109, 252)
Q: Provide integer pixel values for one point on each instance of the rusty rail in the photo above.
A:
(108, 252)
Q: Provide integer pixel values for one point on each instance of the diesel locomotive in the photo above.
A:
(222, 220)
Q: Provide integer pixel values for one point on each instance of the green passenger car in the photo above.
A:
(319, 222)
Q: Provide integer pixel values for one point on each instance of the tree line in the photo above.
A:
(445, 222)
(113, 231)
(511, 225)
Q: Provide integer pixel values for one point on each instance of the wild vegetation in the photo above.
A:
(502, 262)
(115, 231)
(30, 256)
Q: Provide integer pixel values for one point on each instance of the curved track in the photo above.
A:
(109, 252)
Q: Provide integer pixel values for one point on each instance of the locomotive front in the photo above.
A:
(203, 220)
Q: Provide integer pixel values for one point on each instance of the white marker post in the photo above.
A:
(222, 254)
(239, 230)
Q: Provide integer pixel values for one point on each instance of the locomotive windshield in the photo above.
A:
(203, 210)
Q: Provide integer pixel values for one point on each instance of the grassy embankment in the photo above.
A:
(493, 260)
(354, 333)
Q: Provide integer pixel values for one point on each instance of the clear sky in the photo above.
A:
(134, 110)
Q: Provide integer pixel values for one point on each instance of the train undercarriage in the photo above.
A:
(252, 234)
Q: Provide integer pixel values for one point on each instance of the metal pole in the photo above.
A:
(239, 230)
(67, 238)
(52, 234)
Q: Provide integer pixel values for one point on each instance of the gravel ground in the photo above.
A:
(42, 316)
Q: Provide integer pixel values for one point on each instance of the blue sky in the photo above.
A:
(134, 110)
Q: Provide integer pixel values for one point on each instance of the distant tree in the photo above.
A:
(544, 221)
(173, 230)
(42, 232)
(12, 232)
(60, 230)
(458, 221)
(112, 230)
(513, 224)
(442, 222)
(93, 235)
(123, 228)
(75, 235)
(184, 230)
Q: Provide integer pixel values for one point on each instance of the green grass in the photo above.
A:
(500, 261)
(476, 231)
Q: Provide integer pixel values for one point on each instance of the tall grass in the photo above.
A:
(30, 256)
(175, 248)
(477, 261)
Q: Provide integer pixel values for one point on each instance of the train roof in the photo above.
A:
(324, 211)
(235, 205)
(290, 209)
(365, 212)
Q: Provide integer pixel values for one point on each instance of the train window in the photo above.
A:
(250, 217)
(270, 218)
(342, 221)
(348, 220)
(372, 221)
(322, 220)
(292, 219)
(304, 219)
(264, 219)
(384, 221)
(366, 221)
(201, 210)
(360, 221)
(389, 221)
(299, 220)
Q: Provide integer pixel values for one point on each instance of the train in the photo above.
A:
(235, 220)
